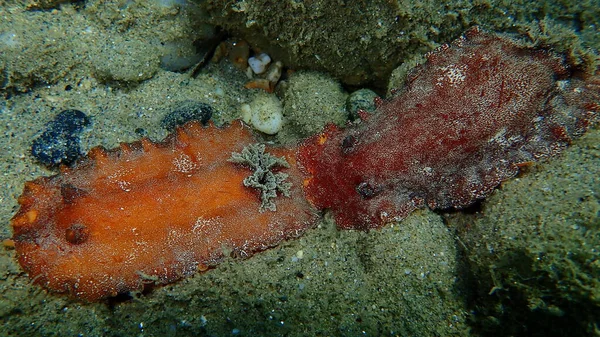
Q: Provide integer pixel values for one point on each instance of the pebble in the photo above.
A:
(259, 63)
(362, 99)
(186, 111)
(60, 143)
(264, 113)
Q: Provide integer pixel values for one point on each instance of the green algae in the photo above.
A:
(361, 42)
(118, 43)
(310, 101)
(532, 248)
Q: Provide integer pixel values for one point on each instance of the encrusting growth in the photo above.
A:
(263, 178)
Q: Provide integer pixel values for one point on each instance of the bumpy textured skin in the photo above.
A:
(464, 122)
(151, 213)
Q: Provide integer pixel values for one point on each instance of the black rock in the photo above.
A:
(187, 111)
(59, 143)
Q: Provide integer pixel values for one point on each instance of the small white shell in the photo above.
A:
(259, 63)
(264, 113)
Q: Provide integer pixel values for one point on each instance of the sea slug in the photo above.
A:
(149, 213)
(462, 124)
(153, 213)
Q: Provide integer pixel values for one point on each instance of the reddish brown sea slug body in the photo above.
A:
(153, 213)
(461, 125)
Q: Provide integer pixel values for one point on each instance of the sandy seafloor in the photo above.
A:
(414, 278)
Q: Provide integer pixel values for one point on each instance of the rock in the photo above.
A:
(533, 248)
(59, 143)
(362, 99)
(311, 100)
(361, 42)
(186, 111)
(264, 113)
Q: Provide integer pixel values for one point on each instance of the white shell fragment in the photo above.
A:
(259, 63)
(264, 113)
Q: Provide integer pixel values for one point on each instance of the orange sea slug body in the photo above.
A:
(150, 213)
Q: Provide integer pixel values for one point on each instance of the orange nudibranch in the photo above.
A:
(152, 213)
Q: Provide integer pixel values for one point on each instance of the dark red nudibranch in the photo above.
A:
(462, 124)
